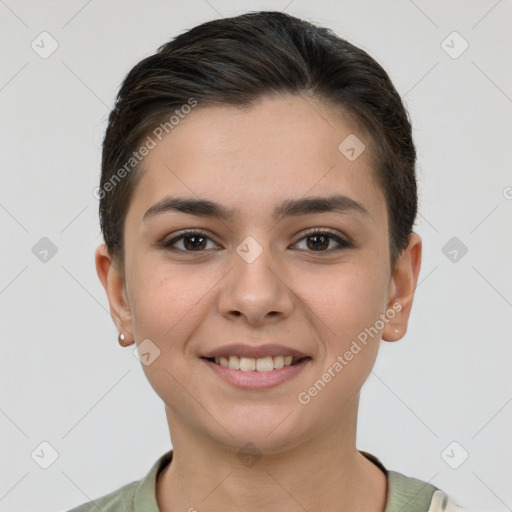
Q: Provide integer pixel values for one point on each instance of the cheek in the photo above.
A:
(167, 310)
(350, 305)
(167, 300)
(350, 299)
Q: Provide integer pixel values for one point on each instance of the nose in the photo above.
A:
(256, 290)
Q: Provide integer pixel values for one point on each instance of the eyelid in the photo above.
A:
(168, 242)
(342, 240)
(321, 231)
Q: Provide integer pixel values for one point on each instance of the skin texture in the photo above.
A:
(316, 300)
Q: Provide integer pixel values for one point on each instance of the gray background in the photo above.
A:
(65, 380)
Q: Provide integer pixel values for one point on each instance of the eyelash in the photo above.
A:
(343, 244)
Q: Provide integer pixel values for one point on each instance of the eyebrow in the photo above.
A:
(289, 207)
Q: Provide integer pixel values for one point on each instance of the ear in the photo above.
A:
(114, 285)
(401, 289)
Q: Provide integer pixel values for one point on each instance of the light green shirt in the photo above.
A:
(405, 494)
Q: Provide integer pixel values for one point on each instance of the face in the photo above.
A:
(258, 276)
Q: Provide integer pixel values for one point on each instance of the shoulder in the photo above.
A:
(413, 495)
(121, 500)
(409, 494)
(136, 496)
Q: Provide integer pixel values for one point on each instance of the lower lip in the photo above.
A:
(257, 380)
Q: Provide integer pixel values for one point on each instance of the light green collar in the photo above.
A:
(405, 494)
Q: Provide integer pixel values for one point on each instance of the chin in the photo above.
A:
(261, 430)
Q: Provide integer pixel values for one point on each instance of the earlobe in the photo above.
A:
(401, 289)
(114, 285)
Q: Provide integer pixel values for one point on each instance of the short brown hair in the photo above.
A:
(241, 59)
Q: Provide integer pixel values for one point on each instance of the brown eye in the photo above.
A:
(192, 241)
(318, 242)
(321, 241)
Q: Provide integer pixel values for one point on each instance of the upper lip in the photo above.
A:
(254, 351)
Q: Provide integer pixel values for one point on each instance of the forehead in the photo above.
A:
(253, 158)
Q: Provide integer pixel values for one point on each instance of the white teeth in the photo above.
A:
(234, 363)
(264, 364)
(278, 362)
(250, 364)
(247, 364)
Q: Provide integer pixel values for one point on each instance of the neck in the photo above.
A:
(325, 473)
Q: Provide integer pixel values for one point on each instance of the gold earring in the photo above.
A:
(121, 339)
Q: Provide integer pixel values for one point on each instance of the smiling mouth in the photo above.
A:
(262, 364)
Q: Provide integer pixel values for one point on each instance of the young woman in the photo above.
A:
(257, 201)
